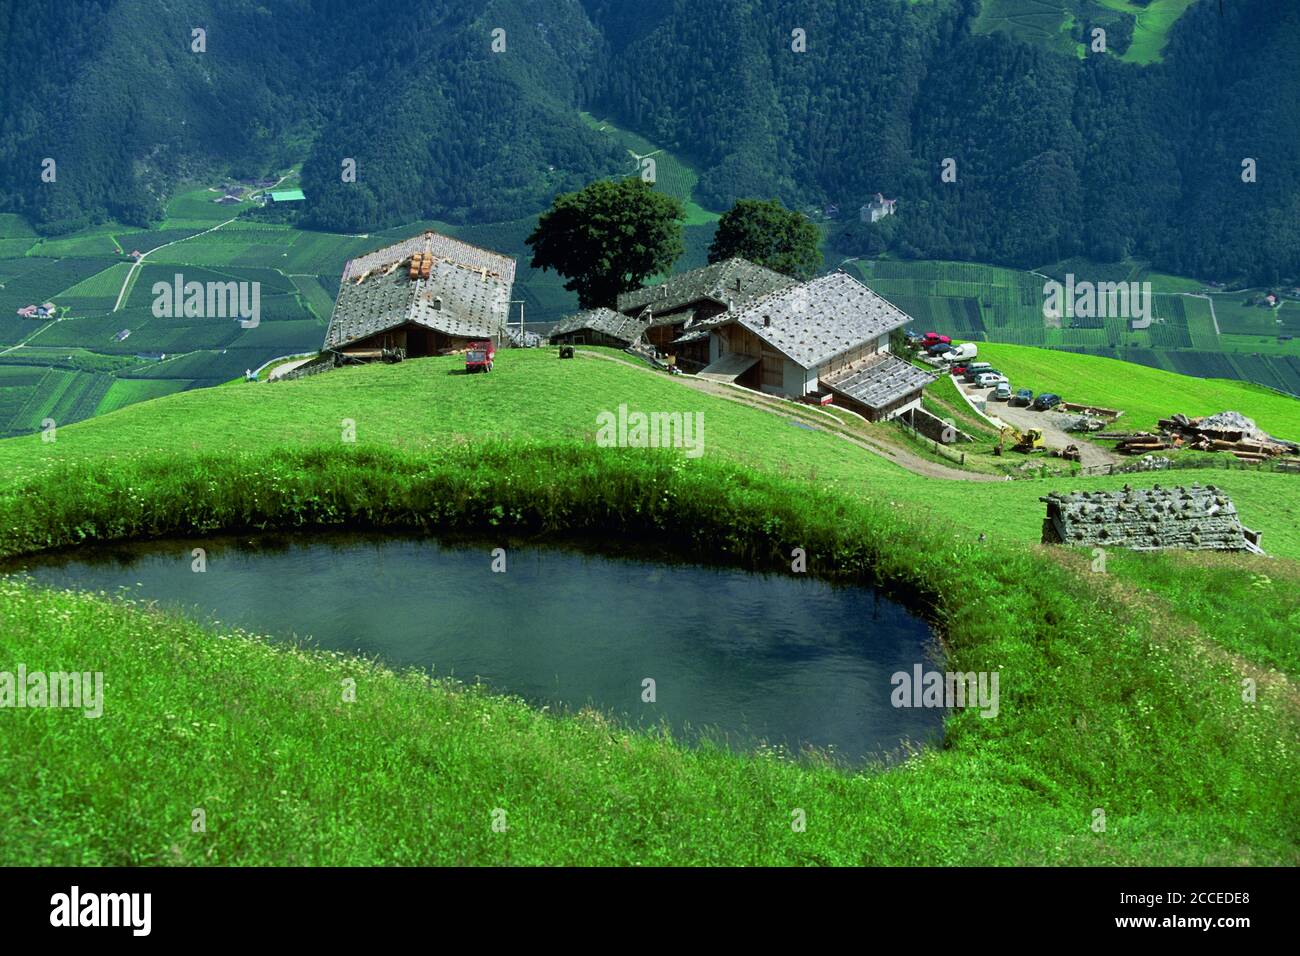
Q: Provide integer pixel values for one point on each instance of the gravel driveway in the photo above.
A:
(1046, 422)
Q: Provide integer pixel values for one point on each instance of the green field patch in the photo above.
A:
(1053, 23)
(43, 397)
(39, 280)
(12, 248)
(317, 298)
(151, 335)
(286, 335)
(197, 205)
(12, 398)
(127, 391)
(672, 175)
(14, 226)
(1146, 395)
(207, 367)
(77, 246)
(1237, 317)
(18, 375)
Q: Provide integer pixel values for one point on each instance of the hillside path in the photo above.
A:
(832, 426)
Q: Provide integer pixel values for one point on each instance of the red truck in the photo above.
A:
(479, 357)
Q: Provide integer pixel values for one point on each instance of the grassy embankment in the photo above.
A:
(1112, 698)
(1146, 395)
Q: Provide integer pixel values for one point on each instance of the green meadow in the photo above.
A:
(1121, 691)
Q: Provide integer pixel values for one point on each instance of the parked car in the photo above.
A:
(1046, 400)
(958, 370)
(916, 338)
(1002, 392)
(1022, 397)
(964, 352)
(973, 369)
(939, 348)
(934, 338)
(989, 379)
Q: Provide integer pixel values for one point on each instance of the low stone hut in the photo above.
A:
(1194, 518)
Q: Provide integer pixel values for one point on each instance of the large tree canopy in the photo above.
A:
(766, 233)
(608, 238)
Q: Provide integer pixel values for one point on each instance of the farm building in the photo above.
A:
(599, 327)
(1152, 519)
(829, 335)
(287, 195)
(428, 295)
(685, 301)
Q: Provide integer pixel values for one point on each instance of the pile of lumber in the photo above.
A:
(1143, 443)
(1227, 431)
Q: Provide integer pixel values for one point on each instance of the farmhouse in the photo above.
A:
(599, 327)
(685, 301)
(428, 295)
(1196, 518)
(826, 336)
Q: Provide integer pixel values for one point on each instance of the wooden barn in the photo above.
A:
(829, 335)
(688, 301)
(428, 295)
(599, 327)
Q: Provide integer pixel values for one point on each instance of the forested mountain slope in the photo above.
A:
(1053, 155)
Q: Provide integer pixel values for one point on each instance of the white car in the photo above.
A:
(989, 379)
(1003, 391)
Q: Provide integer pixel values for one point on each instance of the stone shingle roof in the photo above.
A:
(736, 280)
(1195, 517)
(616, 325)
(879, 380)
(442, 247)
(813, 322)
(467, 293)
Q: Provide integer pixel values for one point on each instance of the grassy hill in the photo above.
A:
(1145, 394)
(1121, 690)
(531, 395)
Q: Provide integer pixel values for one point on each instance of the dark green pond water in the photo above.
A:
(734, 655)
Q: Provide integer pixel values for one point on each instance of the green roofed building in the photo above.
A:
(287, 195)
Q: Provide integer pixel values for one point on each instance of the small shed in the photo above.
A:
(1193, 518)
(599, 327)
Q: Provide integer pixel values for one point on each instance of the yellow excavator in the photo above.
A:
(1024, 442)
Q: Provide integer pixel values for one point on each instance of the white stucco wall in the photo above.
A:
(799, 381)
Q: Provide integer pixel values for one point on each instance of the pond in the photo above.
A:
(738, 656)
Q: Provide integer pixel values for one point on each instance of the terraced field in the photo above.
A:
(993, 304)
(105, 359)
